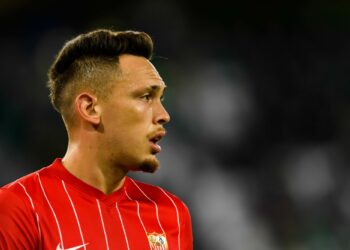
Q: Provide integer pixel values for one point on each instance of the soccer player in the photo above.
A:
(110, 97)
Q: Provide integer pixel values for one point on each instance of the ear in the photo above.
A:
(86, 106)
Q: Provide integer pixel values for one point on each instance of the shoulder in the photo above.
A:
(7, 196)
(16, 186)
(15, 209)
(29, 182)
(19, 186)
(12, 202)
(24, 189)
(15, 195)
(17, 216)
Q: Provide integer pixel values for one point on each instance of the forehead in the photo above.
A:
(139, 70)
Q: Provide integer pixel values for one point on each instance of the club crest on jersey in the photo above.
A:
(157, 241)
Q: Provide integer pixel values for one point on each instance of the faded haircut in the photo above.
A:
(90, 62)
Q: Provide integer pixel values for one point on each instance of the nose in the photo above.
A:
(161, 116)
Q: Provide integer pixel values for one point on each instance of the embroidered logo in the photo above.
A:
(71, 248)
(157, 241)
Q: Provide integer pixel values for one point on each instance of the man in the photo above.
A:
(110, 98)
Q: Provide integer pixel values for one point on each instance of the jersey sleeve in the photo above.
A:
(18, 226)
(186, 235)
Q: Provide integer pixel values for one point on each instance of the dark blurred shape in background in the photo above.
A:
(259, 94)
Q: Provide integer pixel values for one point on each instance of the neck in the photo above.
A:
(82, 160)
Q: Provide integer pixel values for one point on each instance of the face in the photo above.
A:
(133, 116)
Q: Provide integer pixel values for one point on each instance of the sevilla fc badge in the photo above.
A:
(157, 241)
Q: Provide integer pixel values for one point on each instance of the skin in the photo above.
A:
(112, 136)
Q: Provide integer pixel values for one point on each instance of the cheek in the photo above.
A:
(139, 112)
(129, 118)
(142, 109)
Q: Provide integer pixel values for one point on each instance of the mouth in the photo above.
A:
(154, 139)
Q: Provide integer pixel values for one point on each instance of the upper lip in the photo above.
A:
(157, 136)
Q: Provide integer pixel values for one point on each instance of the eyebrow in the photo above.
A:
(154, 88)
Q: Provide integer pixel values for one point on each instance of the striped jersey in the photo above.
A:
(52, 209)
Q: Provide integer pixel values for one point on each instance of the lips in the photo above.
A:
(154, 139)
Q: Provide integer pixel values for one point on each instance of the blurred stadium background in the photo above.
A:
(259, 94)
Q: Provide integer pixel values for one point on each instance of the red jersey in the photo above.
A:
(52, 209)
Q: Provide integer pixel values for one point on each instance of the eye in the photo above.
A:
(147, 97)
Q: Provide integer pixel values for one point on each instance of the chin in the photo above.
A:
(150, 165)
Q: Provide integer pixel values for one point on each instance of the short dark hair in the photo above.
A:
(82, 60)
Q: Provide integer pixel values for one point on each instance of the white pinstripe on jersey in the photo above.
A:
(75, 213)
(177, 216)
(138, 211)
(155, 204)
(31, 202)
(103, 224)
(121, 221)
(53, 212)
